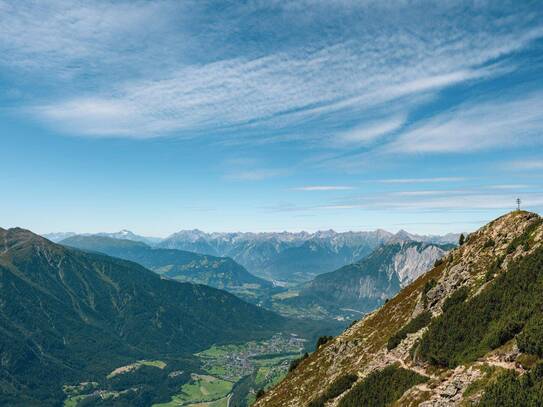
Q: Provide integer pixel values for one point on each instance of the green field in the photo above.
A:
(201, 390)
(259, 364)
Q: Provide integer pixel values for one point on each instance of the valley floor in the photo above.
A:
(230, 375)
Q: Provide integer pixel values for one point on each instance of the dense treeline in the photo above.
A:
(510, 390)
(512, 303)
(337, 387)
(414, 325)
(381, 388)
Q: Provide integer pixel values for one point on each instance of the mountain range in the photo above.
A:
(288, 258)
(69, 316)
(218, 272)
(467, 332)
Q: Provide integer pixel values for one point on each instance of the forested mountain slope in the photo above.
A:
(68, 316)
(470, 331)
(218, 272)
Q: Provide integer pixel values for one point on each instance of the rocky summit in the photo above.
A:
(468, 332)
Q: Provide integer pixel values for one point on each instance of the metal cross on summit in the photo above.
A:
(518, 204)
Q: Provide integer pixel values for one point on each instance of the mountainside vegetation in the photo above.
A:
(218, 272)
(69, 316)
(467, 332)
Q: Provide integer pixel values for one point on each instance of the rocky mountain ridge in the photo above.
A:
(363, 286)
(411, 333)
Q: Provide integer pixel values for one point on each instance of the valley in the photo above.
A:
(222, 375)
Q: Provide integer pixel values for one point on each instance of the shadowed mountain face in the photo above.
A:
(365, 285)
(68, 315)
(218, 272)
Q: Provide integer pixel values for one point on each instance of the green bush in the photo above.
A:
(382, 388)
(294, 363)
(468, 329)
(323, 340)
(510, 390)
(427, 287)
(531, 338)
(489, 243)
(413, 326)
(337, 387)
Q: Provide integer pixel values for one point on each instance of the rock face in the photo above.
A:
(488, 254)
(365, 285)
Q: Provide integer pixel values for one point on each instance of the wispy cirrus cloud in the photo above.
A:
(420, 180)
(131, 81)
(256, 174)
(476, 126)
(436, 201)
(525, 165)
(371, 131)
(324, 188)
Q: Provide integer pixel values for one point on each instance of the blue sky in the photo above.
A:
(269, 115)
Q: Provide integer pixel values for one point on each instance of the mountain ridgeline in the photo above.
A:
(218, 272)
(69, 316)
(365, 285)
(467, 332)
(292, 257)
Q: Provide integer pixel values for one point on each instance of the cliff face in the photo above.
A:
(472, 279)
(365, 285)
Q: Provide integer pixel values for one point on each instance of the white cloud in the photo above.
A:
(443, 202)
(420, 180)
(254, 174)
(324, 188)
(526, 165)
(372, 131)
(476, 126)
(146, 83)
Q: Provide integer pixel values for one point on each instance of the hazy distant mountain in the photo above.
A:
(58, 236)
(67, 315)
(128, 235)
(218, 272)
(449, 238)
(123, 234)
(364, 285)
(282, 256)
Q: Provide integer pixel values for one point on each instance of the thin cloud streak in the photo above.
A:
(474, 127)
(324, 188)
(420, 180)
